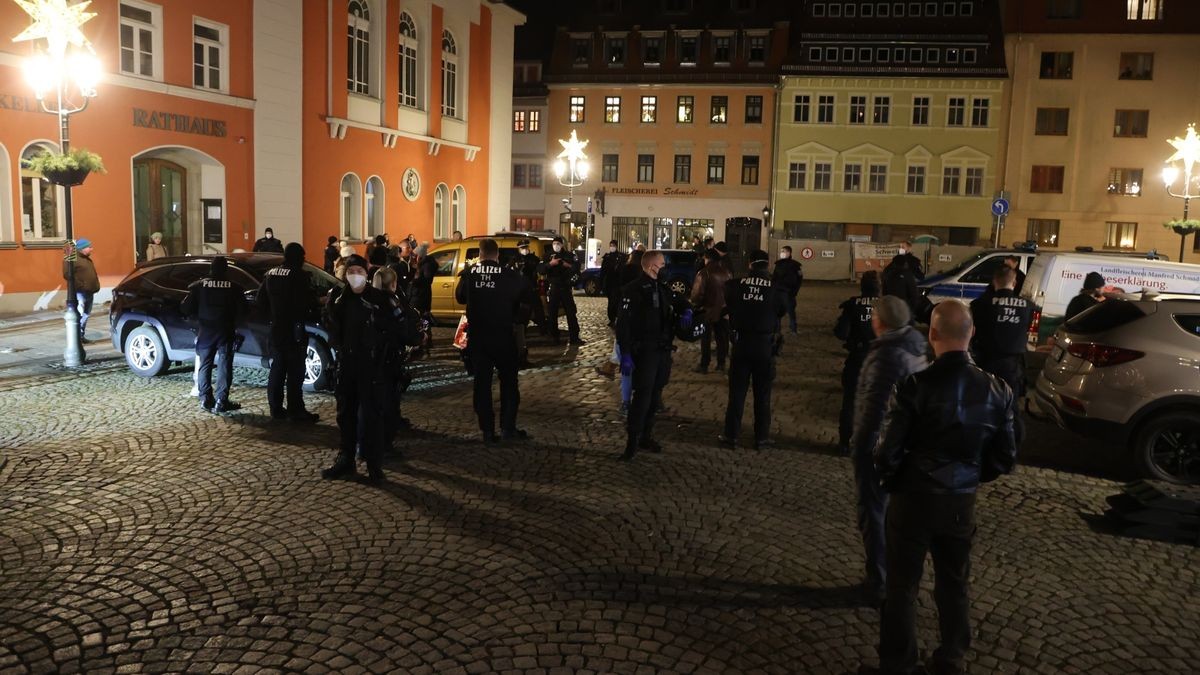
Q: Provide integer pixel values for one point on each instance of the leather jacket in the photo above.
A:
(892, 357)
(948, 429)
(708, 291)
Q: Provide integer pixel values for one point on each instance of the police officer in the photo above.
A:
(645, 334)
(492, 294)
(1001, 333)
(854, 330)
(216, 303)
(789, 274)
(560, 267)
(286, 296)
(362, 328)
(755, 305)
(610, 278)
(529, 264)
(268, 243)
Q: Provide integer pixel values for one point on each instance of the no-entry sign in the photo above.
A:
(806, 253)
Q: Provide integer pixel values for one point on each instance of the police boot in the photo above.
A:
(630, 451)
(650, 444)
(514, 434)
(343, 467)
(375, 474)
(303, 416)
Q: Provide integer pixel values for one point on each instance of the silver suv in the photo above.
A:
(1130, 370)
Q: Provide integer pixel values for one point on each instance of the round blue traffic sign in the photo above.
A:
(999, 207)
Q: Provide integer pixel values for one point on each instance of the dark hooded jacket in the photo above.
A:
(892, 357)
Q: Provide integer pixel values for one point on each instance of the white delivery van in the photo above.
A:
(1055, 278)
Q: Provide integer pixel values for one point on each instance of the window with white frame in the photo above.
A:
(351, 210)
(208, 55)
(858, 110)
(42, 213)
(979, 112)
(877, 178)
(852, 177)
(916, 179)
(920, 111)
(141, 39)
(410, 48)
(519, 124)
(1127, 182)
(951, 180)
(797, 175)
(973, 187)
(825, 103)
(458, 208)
(441, 224)
(956, 111)
(822, 176)
(1144, 10)
(358, 47)
(1120, 236)
(6, 210)
(373, 203)
(535, 121)
(449, 75)
(801, 108)
(882, 111)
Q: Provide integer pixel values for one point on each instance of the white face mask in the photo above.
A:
(357, 281)
(557, 248)
(270, 236)
(523, 251)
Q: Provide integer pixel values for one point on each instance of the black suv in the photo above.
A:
(149, 330)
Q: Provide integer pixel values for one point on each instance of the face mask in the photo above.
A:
(357, 281)
(523, 251)
(785, 255)
(557, 248)
(270, 236)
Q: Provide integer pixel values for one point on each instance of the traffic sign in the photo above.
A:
(806, 253)
(999, 207)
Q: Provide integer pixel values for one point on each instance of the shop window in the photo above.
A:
(716, 169)
(458, 209)
(754, 109)
(797, 229)
(141, 39)
(1126, 182)
(629, 231)
(351, 208)
(1044, 231)
(1137, 66)
(749, 169)
(449, 75)
(1052, 121)
(1047, 179)
(1131, 123)
(1057, 65)
(441, 224)
(42, 215)
(410, 49)
(6, 210)
(374, 205)
(1120, 236)
(575, 110)
(358, 48)
(683, 168)
(208, 55)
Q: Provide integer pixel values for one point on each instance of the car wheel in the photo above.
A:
(678, 286)
(145, 352)
(1168, 447)
(318, 361)
(592, 287)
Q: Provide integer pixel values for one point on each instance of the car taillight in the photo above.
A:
(1034, 327)
(1103, 355)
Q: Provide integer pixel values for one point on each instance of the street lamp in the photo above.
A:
(1187, 150)
(68, 80)
(572, 172)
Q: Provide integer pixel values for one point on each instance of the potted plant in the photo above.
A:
(1182, 228)
(65, 169)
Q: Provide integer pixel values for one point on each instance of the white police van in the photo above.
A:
(967, 280)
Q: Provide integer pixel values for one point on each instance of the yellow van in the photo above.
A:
(452, 257)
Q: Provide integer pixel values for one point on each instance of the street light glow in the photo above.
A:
(84, 68)
(560, 168)
(1187, 149)
(42, 74)
(1169, 175)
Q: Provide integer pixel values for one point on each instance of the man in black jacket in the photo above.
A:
(610, 278)
(331, 254)
(286, 295)
(529, 263)
(789, 274)
(216, 302)
(1089, 296)
(560, 267)
(854, 329)
(268, 243)
(948, 429)
(646, 337)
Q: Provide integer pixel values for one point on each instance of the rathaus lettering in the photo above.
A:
(202, 126)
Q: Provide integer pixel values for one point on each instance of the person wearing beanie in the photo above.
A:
(87, 283)
(339, 266)
(215, 302)
(268, 243)
(156, 249)
(285, 296)
(756, 305)
(331, 254)
(854, 329)
(1089, 296)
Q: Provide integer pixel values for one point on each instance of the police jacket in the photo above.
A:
(708, 291)
(529, 264)
(331, 256)
(755, 304)
(215, 303)
(788, 273)
(853, 326)
(492, 294)
(948, 428)
(646, 319)
(898, 280)
(361, 325)
(610, 271)
(268, 245)
(912, 262)
(286, 296)
(560, 275)
(893, 356)
(1001, 325)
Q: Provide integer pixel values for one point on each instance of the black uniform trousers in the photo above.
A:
(1011, 369)
(561, 295)
(791, 309)
(719, 331)
(538, 315)
(752, 361)
(362, 407)
(614, 303)
(850, 370)
(651, 371)
(210, 342)
(870, 507)
(287, 369)
(495, 352)
(943, 526)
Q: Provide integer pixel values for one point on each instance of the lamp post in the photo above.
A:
(68, 80)
(1187, 150)
(572, 172)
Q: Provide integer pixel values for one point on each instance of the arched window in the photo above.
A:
(449, 75)
(351, 211)
(409, 48)
(458, 209)
(6, 229)
(358, 48)
(374, 206)
(42, 214)
(441, 227)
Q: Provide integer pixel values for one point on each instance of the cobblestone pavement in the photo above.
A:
(138, 533)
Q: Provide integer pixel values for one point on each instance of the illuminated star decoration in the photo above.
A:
(1186, 148)
(57, 22)
(572, 149)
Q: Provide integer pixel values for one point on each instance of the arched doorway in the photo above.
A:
(160, 204)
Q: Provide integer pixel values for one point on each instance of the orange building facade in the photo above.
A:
(216, 120)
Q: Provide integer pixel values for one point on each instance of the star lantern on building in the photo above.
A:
(58, 22)
(1187, 148)
(572, 148)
